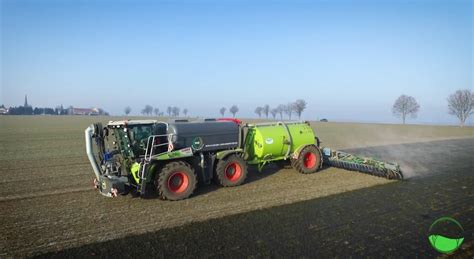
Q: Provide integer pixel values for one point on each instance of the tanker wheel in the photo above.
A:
(176, 181)
(231, 171)
(309, 160)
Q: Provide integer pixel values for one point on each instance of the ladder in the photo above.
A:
(149, 153)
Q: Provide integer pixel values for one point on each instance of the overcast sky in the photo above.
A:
(348, 59)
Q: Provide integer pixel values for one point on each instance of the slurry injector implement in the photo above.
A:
(362, 164)
(169, 159)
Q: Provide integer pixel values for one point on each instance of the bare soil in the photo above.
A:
(389, 220)
(47, 203)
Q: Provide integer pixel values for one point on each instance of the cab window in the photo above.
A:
(138, 138)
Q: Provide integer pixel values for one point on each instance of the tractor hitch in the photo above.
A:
(112, 186)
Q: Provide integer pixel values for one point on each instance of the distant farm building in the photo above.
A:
(83, 111)
(3, 111)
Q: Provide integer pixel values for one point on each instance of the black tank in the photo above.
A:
(205, 136)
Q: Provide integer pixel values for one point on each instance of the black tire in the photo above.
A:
(309, 160)
(175, 181)
(231, 171)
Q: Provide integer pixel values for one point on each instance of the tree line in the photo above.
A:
(29, 110)
(234, 109)
(460, 104)
(148, 110)
(289, 109)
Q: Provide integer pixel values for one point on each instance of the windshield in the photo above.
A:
(138, 135)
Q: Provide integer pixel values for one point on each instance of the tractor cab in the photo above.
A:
(133, 138)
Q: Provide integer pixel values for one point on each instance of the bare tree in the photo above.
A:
(281, 109)
(148, 110)
(157, 111)
(404, 106)
(289, 109)
(258, 111)
(128, 110)
(461, 104)
(175, 111)
(299, 107)
(169, 110)
(266, 109)
(222, 111)
(274, 112)
(234, 109)
(185, 112)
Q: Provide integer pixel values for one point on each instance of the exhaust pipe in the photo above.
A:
(88, 133)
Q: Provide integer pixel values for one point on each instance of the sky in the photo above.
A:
(349, 60)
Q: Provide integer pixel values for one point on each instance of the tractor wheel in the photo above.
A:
(176, 181)
(309, 160)
(231, 171)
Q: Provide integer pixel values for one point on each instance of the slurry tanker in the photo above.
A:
(170, 158)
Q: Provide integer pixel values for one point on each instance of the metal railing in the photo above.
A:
(150, 152)
(150, 149)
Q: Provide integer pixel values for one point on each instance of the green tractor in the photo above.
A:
(171, 158)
